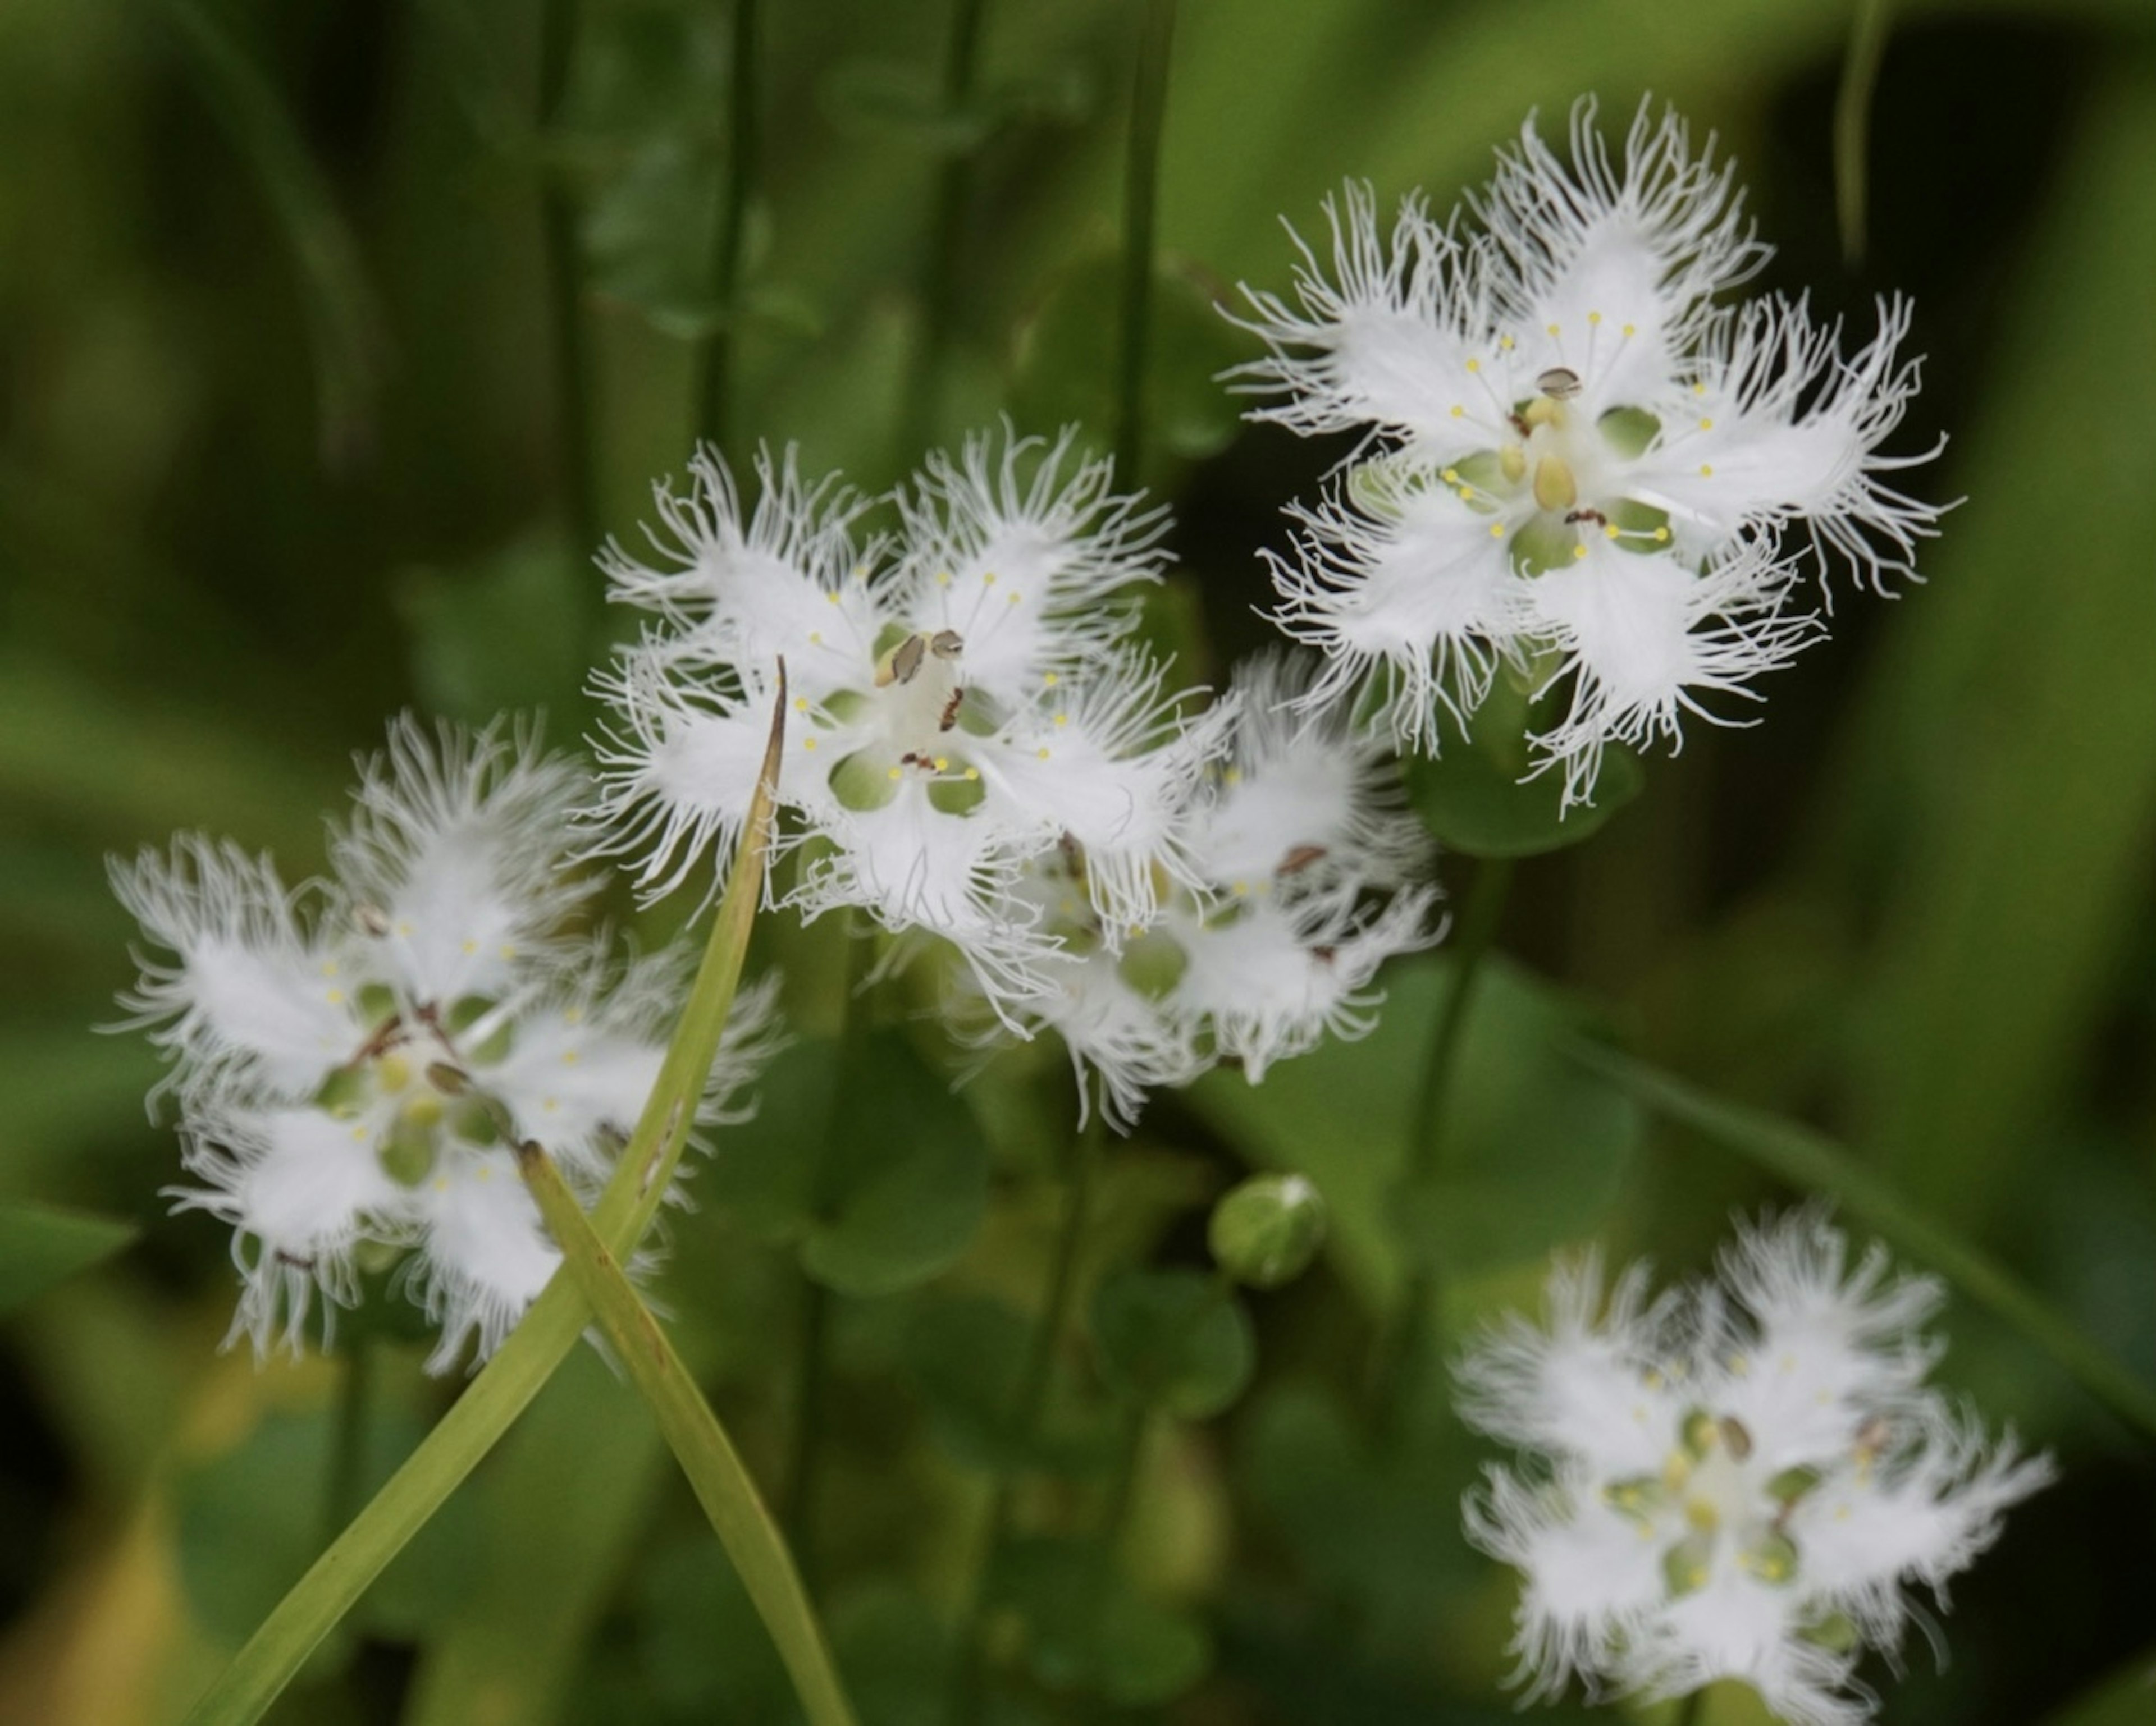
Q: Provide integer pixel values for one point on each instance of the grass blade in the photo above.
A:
(539, 1344)
(722, 1485)
(1817, 1164)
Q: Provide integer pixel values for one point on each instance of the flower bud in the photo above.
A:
(1267, 1230)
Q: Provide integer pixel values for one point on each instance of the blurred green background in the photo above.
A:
(281, 451)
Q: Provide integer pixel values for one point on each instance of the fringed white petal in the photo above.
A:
(299, 1190)
(1384, 337)
(1645, 641)
(1024, 549)
(485, 1253)
(1303, 798)
(1421, 597)
(455, 856)
(257, 991)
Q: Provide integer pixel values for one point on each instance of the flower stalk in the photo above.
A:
(1027, 1408)
(715, 362)
(565, 290)
(1142, 186)
(1398, 1371)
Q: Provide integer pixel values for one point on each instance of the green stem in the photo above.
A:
(565, 293)
(1130, 1457)
(1027, 1408)
(1813, 1163)
(1397, 1374)
(1691, 1710)
(946, 230)
(543, 1337)
(1141, 190)
(715, 1472)
(800, 1484)
(1852, 123)
(348, 1440)
(805, 1465)
(715, 363)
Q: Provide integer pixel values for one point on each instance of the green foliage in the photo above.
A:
(1065, 371)
(1088, 1630)
(40, 1246)
(251, 1517)
(872, 1166)
(1535, 1146)
(278, 457)
(1178, 1341)
(1476, 794)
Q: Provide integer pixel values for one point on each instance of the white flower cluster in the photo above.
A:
(1740, 1480)
(1579, 465)
(348, 1056)
(1295, 828)
(978, 752)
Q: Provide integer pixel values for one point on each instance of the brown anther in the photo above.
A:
(905, 662)
(1560, 383)
(1301, 858)
(372, 920)
(946, 644)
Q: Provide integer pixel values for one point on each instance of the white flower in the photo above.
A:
(964, 700)
(1574, 459)
(1299, 882)
(1740, 1480)
(349, 1059)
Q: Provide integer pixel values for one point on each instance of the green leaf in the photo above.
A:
(700, 1643)
(1088, 1630)
(1536, 1148)
(1813, 1163)
(559, 1510)
(40, 1245)
(1068, 354)
(249, 1519)
(862, 1155)
(1475, 796)
(1383, 1527)
(895, 1648)
(965, 1357)
(1176, 1340)
(2002, 786)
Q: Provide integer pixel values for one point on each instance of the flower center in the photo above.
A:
(1712, 1496)
(1555, 481)
(913, 726)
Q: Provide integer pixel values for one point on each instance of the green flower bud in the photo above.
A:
(1266, 1231)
